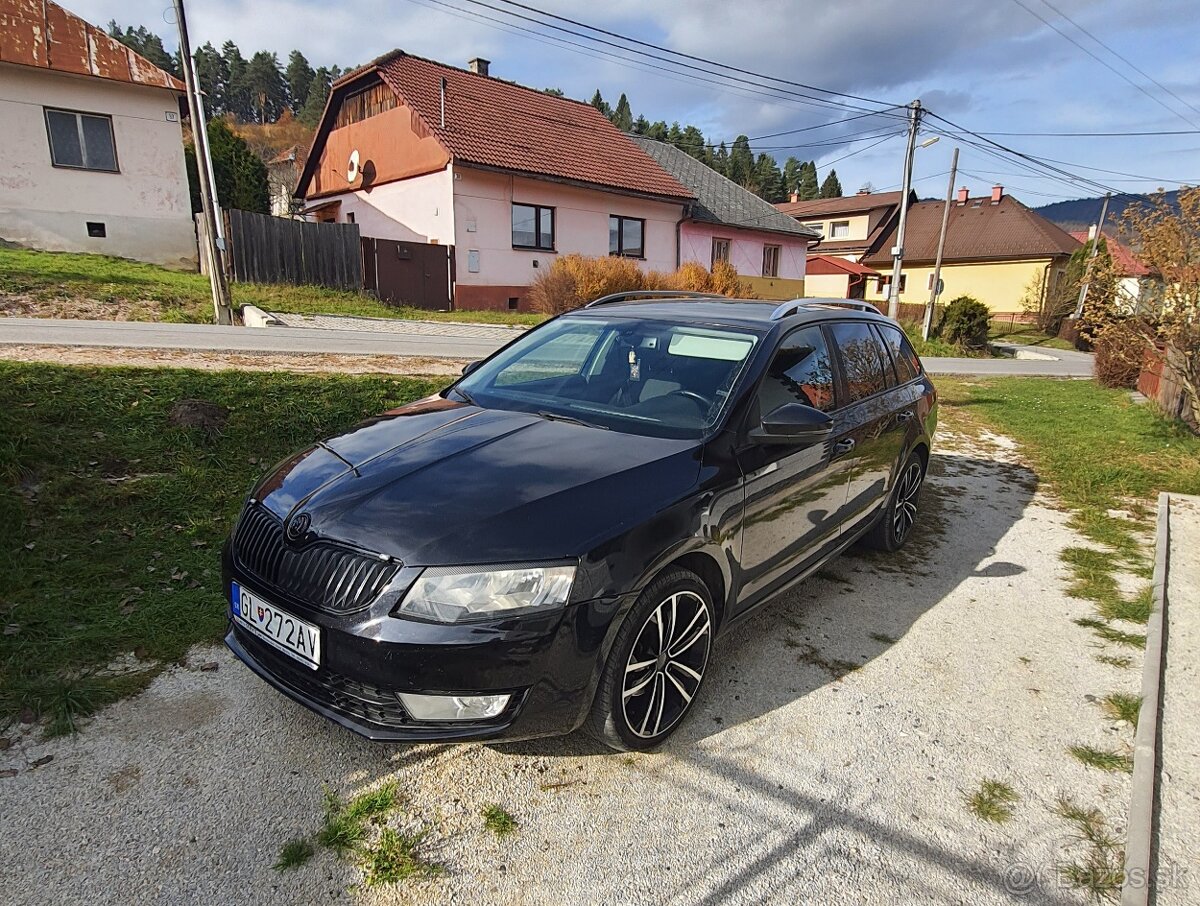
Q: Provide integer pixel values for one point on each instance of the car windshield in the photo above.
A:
(652, 377)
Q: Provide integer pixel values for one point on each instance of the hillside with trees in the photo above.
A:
(759, 173)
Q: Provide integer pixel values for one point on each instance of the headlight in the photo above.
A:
(450, 594)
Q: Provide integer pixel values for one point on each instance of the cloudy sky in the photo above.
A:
(989, 65)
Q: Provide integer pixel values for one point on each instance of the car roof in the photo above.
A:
(757, 314)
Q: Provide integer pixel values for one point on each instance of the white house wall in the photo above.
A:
(145, 208)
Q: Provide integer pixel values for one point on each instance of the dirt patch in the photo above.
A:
(80, 308)
(304, 363)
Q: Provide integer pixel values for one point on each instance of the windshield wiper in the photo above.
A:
(556, 417)
(470, 400)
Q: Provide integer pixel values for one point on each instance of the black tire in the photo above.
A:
(667, 672)
(896, 522)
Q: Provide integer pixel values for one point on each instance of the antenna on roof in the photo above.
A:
(443, 102)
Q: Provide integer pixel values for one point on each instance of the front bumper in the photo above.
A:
(549, 663)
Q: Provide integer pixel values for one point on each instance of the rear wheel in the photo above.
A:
(657, 664)
(900, 514)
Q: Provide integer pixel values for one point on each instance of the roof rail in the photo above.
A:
(795, 305)
(652, 293)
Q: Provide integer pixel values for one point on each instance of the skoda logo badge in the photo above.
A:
(297, 528)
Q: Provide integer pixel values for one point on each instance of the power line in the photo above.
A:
(820, 101)
(697, 59)
(1122, 58)
(1103, 62)
(1096, 134)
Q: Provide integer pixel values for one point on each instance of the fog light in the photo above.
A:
(453, 707)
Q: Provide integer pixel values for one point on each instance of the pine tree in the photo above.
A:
(807, 186)
(237, 97)
(657, 131)
(622, 117)
(299, 76)
(641, 125)
(831, 188)
(721, 160)
(693, 142)
(791, 175)
(741, 161)
(675, 135)
(553, 92)
(600, 104)
(768, 181)
(318, 93)
(264, 82)
(212, 73)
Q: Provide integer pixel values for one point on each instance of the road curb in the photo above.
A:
(1140, 832)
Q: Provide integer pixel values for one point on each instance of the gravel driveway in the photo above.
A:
(826, 762)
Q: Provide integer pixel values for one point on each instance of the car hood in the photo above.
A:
(440, 482)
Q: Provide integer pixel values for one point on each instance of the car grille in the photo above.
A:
(322, 574)
(362, 702)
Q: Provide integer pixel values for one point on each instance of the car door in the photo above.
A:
(794, 494)
(872, 435)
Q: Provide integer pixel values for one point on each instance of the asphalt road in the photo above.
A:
(452, 341)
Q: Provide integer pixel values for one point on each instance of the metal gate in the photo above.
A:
(409, 273)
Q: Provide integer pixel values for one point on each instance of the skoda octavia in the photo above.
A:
(559, 539)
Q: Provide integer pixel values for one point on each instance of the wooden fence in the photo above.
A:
(1158, 383)
(265, 249)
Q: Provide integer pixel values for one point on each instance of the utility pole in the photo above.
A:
(910, 151)
(216, 274)
(212, 176)
(1087, 275)
(936, 290)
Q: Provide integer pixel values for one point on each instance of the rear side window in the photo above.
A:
(908, 366)
(800, 372)
(862, 357)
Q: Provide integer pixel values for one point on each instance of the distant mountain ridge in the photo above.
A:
(1081, 213)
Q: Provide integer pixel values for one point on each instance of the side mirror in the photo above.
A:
(793, 423)
(471, 366)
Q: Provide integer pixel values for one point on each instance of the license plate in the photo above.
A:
(290, 634)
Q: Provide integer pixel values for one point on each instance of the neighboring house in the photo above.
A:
(728, 223)
(996, 250)
(851, 226)
(507, 175)
(1138, 285)
(283, 172)
(90, 142)
(829, 276)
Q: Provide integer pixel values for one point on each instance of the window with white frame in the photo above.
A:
(81, 141)
(839, 229)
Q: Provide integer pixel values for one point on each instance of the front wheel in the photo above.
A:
(900, 514)
(657, 663)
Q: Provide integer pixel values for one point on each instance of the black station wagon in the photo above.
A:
(558, 539)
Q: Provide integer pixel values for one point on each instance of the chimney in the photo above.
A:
(479, 66)
(963, 194)
(795, 197)
(997, 194)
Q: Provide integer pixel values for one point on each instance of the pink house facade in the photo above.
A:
(511, 178)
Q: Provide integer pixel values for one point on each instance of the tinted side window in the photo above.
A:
(908, 366)
(800, 372)
(862, 359)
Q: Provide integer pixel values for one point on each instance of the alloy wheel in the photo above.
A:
(666, 665)
(905, 514)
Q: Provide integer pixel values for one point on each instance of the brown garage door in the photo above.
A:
(409, 273)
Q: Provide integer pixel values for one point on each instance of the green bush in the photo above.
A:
(965, 323)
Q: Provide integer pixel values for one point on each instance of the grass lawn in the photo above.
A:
(130, 290)
(111, 521)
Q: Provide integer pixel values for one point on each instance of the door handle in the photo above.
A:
(842, 447)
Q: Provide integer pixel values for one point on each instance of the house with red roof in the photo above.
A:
(510, 177)
(91, 142)
(1137, 284)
